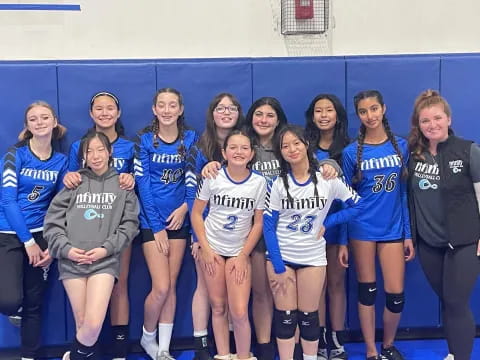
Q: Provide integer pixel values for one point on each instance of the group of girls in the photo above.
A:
(259, 202)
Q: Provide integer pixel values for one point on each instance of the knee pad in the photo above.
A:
(395, 302)
(367, 292)
(285, 323)
(309, 325)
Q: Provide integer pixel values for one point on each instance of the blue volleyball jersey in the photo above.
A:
(123, 154)
(336, 234)
(382, 189)
(160, 177)
(196, 160)
(28, 185)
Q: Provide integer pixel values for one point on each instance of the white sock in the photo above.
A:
(164, 337)
(309, 357)
(24, 358)
(200, 333)
(149, 343)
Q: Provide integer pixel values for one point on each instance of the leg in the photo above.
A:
(322, 319)
(167, 314)
(285, 318)
(310, 283)
(238, 296)
(462, 267)
(392, 262)
(120, 307)
(11, 262)
(262, 301)
(364, 254)
(77, 295)
(200, 315)
(217, 295)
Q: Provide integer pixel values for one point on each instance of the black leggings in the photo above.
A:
(452, 275)
(22, 285)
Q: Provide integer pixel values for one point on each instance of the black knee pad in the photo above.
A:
(285, 323)
(367, 292)
(309, 325)
(395, 302)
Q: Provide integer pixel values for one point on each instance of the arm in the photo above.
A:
(337, 170)
(127, 229)
(404, 202)
(348, 167)
(350, 198)
(142, 178)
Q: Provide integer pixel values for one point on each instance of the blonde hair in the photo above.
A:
(58, 132)
(417, 142)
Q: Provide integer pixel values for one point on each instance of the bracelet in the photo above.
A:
(29, 243)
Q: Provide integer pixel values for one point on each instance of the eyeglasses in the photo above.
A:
(221, 109)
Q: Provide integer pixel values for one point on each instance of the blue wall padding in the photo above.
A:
(296, 83)
(68, 86)
(200, 82)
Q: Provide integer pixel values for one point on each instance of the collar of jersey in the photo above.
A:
(233, 181)
(297, 183)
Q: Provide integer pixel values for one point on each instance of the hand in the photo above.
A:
(161, 240)
(408, 249)
(34, 254)
(96, 254)
(240, 266)
(79, 256)
(126, 181)
(343, 255)
(196, 250)
(71, 180)
(321, 232)
(211, 170)
(209, 260)
(280, 282)
(328, 172)
(45, 261)
(177, 217)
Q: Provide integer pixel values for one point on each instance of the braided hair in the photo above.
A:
(362, 132)
(285, 167)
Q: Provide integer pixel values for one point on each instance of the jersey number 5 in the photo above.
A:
(35, 194)
(384, 182)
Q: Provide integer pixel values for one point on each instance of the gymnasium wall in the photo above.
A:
(69, 85)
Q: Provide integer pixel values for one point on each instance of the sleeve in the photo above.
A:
(55, 224)
(204, 189)
(332, 163)
(348, 166)
(127, 229)
(61, 174)
(262, 193)
(192, 175)
(350, 198)
(73, 164)
(142, 178)
(407, 232)
(475, 163)
(270, 222)
(12, 165)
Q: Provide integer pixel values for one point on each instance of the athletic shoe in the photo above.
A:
(66, 356)
(378, 357)
(16, 319)
(165, 355)
(322, 354)
(338, 354)
(450, 357)
(119, 359)
(391, 353)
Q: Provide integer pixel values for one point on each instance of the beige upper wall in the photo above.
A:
(112, 29)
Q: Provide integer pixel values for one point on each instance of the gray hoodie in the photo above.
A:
(95, 214)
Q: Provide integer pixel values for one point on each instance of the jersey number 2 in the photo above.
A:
(232, 221)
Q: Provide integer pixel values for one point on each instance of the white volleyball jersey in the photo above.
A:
(231, 209)
(291, 226)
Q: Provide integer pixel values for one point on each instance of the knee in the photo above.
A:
(92, 327)
(160, 292)
(309, 325)
(395, 302)
(10, 303)
(285, 323)
(262, 296)
(219, 308)
(367, 293)
(336, 285)
(238, 313)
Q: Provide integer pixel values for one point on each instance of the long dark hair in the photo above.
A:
(119, 128)
(155, 126)
(85, 142)
(340, 133)
(275, 104)
(361, 137)
(208, 142)
(285, 167)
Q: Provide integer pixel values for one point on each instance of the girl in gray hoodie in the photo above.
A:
(86, 230)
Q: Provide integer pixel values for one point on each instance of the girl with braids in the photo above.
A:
(444, 200)
(227, 237)
(160, 160)
(375, 165)
(263, 121)
(296, 206)
(224, 113)
(31, 175)
(105, 112)
(326, 130)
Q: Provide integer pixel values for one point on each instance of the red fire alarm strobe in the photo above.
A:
(303, 9)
